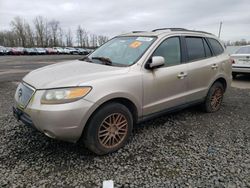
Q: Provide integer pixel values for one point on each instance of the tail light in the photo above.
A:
(231, 61)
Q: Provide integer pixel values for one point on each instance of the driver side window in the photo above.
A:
(170, 50)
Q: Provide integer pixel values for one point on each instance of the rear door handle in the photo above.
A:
(182, 75)
(214, 66)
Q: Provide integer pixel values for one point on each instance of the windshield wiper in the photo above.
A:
(86, 58)
(105, 60)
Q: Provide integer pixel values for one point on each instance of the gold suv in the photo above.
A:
(131, 78)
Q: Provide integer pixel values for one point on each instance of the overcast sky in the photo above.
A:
(112, 17)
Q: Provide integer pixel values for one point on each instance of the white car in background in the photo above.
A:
(59, 50)
(241, 61)
(66, 51)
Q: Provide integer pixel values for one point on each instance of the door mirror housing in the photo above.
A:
(155, 62)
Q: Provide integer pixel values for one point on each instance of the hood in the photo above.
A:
(70, 74)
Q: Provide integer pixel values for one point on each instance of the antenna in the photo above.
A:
(220, 29)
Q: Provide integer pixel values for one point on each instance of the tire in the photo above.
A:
(234, 74)
(108, 129)
(214, 98)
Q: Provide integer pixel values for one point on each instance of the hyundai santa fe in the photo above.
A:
(130, 79)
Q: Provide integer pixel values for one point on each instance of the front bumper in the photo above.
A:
(23, 117)
(60, 121)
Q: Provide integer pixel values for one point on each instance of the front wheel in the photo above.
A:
(108, 129)
(214, 98)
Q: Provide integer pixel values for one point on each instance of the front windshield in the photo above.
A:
(123, 51)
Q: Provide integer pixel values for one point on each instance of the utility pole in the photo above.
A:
(220, 29)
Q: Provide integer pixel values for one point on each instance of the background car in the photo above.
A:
(30, 51)
(59, 50)
(50, 51)
(16, 51)
(82, 51)
(66, 51)
(72, 50)
(41, 51)
(2, 50)
(7, 50)
(90, 50)
(241, 61)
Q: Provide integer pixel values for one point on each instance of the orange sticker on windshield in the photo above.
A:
(135, 44)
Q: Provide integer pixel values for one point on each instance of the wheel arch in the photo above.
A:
(223, 81)
(131, 105)
(124, 101)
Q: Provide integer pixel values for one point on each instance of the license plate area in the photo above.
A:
(23, 95)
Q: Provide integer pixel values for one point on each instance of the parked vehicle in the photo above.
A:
(59, 50)
(2, 50)
(50, 51)
(7, 49)
(241, 59)
(40, 51)
(17, 51)
(82, 51)
(131, 78)
(30, 51)
(66, 51)
(89, 50)
(72, 50)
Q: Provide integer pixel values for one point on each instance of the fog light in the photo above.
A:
(49, 134)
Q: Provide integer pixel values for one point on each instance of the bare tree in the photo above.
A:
(102, 39)
(8, 38)
(82, 37)
(30, 39)
(54, 27)
(69, 38)
(93, 40)
(41, 30)
(18, 27)
(61, 37)
(47, 33)
(79, 36)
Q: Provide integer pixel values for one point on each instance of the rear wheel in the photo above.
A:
(108, 129)
(214, 98)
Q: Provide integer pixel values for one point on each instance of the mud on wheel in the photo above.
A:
(108, 129)
(214, 98)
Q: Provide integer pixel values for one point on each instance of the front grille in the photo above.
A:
(23, 94)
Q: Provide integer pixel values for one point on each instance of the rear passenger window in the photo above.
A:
(217, 48)
(170, 50)
(207, 49)
(195, 48)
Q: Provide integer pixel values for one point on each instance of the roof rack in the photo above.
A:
(138, 31)
(181, 29)
(172, 29)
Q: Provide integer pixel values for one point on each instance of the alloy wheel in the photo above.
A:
(216, 99)
(113, 130)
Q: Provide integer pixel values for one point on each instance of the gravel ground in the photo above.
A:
(184, 149)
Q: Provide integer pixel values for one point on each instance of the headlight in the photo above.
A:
(64, 95)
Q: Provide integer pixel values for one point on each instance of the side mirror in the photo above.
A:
(155, 62)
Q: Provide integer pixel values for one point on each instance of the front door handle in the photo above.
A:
(214, 66)
(182, 75)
